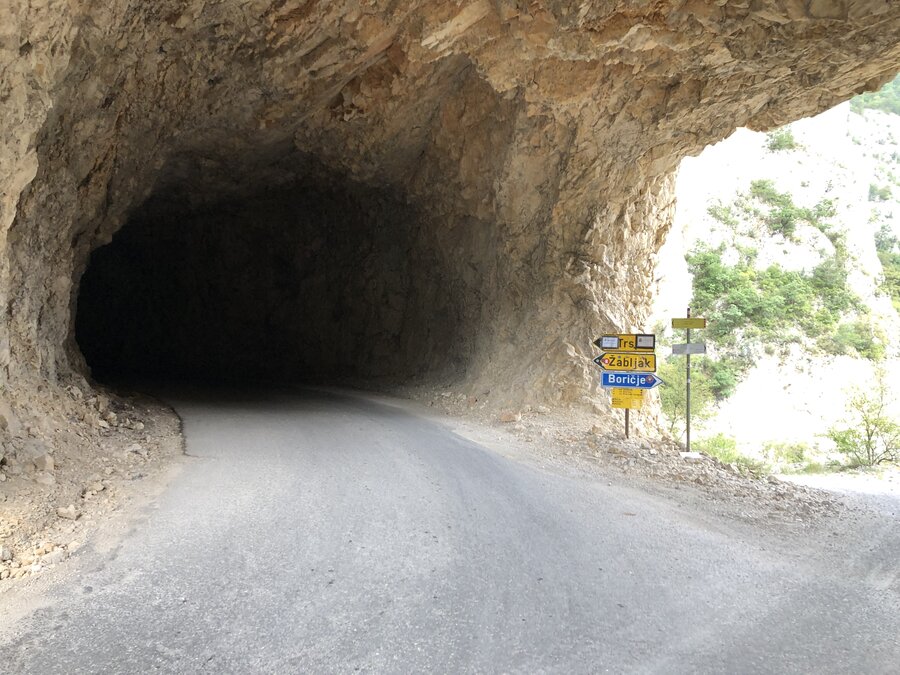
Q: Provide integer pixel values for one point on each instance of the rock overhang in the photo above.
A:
(541, 137)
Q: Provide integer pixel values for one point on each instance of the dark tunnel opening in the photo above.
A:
(319, 280)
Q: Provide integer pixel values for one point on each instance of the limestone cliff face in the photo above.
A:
(523, 151)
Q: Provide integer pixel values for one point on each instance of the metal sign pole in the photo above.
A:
(627, 411)
(688, 386)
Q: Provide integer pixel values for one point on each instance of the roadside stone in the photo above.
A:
(4, 574)
(44, 462)
(69, 512)
(55, 556)
(8, 420)
(138, 449)
(508, 416)
(13, 467)
(5, 554)
(44, 478)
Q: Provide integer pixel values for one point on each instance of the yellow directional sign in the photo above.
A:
(689, 323)
(627, 362)
(631, 399)
(627, 342)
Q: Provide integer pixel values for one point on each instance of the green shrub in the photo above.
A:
(890, 264)
(724, 448)
(885, 241)
(860, 337)
(786, 453)
(783, 214)
(723, 374)
(781, 139)
(772, 304)
(814, 467)
(879, 194)
(824, 209)
(723, 214)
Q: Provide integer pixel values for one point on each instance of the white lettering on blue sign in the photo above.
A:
(630, 380)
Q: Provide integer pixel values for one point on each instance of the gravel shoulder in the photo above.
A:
(70, 462)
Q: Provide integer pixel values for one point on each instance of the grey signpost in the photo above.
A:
(687, 405)
(687, 349)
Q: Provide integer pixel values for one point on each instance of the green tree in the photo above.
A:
(889, 254)
(673, 394)
(870, 435)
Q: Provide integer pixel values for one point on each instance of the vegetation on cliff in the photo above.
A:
(886, 99)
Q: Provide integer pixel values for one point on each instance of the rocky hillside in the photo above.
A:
(787, 242)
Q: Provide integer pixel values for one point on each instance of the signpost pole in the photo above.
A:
(627, 411)
(688, 386)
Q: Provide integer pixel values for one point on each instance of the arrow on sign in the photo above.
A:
(627, 361)
(631, 380)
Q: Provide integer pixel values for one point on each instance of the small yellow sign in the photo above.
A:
(632, 399)
(627, 362)
(689, 323)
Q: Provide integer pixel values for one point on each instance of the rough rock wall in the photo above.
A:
(540, 137)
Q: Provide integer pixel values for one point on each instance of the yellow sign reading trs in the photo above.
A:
(627, 342)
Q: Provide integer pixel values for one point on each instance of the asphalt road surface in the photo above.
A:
(323, 532)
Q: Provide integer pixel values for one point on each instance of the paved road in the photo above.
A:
(327, 533)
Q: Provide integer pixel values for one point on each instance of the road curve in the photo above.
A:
(324, 532)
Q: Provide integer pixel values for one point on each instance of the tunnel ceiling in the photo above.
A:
(526, 147)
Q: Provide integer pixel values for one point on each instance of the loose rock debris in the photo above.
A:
(64, 459)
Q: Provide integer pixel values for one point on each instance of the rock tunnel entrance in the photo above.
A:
(320, 278)
(469, 188)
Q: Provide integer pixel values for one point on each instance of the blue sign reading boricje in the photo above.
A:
(630, 380)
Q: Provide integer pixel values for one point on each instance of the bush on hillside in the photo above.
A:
(879, 194)
(724, 448)
(781, 139)
(784, 215)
